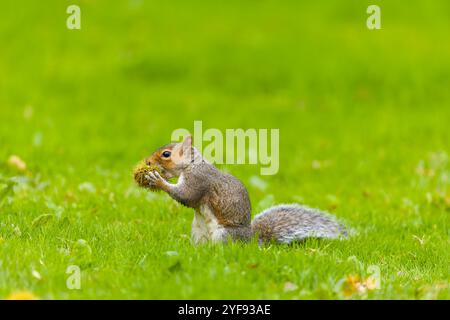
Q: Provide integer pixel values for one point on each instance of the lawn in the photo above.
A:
(364, 134)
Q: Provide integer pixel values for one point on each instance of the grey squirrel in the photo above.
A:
(221, 202)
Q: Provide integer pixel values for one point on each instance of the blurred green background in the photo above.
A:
(363, 118)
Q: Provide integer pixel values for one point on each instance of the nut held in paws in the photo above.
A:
(141, 170)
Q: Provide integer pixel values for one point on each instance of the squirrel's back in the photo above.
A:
(224, 194)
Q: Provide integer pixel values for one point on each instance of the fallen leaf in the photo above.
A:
(371, 283)
(17, 163)
(22, 295)
(354, 284)
(290, 286)
(36, 274)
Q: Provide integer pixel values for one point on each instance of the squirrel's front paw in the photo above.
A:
(155, 179)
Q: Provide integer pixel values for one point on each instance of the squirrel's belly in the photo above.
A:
(205, 227)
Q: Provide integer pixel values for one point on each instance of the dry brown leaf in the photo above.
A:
(17, 163)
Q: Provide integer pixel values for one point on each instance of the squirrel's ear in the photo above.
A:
(186, 147)
(187, 143)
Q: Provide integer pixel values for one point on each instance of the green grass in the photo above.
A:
(82, 107)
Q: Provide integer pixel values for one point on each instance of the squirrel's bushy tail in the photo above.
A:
(293, 222)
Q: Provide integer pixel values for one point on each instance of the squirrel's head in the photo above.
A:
(173, 158)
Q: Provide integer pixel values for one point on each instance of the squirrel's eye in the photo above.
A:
(166, 154)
